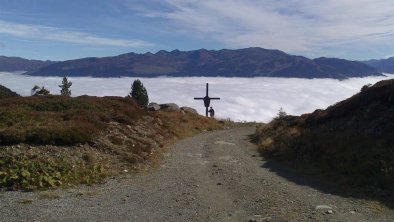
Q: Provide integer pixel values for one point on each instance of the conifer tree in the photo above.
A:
(139, 93)
(65, 87)
(281, 114)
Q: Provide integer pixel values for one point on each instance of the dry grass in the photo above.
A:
(352, 141)
(25, 201)
(57, 120)
(55, 141)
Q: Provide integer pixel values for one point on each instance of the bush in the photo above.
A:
(37, 91)
(365, 87)
(29, 172)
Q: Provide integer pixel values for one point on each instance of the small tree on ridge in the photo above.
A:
(139, 93)
(65, 87)
(37, 91)
(281, 114)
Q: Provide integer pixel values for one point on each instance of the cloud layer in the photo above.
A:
(242, 99)
(28, 31)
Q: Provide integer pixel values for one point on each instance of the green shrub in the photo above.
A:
(20, 171)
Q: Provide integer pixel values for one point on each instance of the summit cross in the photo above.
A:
(207, 100)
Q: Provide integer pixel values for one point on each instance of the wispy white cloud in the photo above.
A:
(291, 25)
(28, 31)
(250, 99)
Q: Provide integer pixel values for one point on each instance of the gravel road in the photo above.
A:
(215, 176)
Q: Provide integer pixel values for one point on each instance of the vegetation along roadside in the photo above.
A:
(56, 141)
(350, 143)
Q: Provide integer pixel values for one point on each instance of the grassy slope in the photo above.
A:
(351, 141)
(55, 141)
(7, 93)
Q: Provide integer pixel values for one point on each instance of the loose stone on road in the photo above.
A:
(215, 176)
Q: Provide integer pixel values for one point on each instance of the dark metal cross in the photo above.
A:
(207, 101)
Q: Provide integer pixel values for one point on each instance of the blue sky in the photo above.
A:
(67, 29)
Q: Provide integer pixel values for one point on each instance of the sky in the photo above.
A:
(241, 99)
(65, 29)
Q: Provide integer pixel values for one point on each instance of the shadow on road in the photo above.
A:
(315, 181)
(324, 185)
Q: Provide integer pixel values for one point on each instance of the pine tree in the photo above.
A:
(281, 114)
(139, 93)
(65, 87)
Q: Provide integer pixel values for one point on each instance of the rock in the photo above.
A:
(189, 109)
(329, 212)
(323, 207)
(353, 212)
(153, 107)
(169, 107)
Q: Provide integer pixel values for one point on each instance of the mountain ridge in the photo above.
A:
(382, 65)
(247, 62)
(12, 64)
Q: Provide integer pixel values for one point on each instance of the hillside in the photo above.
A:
(350, 143)
(59, 141)
(249, 62)
(12, 64)
(7, 93)
(382, 65)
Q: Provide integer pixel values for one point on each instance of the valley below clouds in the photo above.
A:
(242, 99)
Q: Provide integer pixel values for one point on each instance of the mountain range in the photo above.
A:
(382, 65)
(12, 64)
(248, 62)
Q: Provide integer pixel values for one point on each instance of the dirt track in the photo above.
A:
(216, 176)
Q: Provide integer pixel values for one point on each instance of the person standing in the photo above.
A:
(211, 112)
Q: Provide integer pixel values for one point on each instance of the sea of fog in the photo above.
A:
(242, 99)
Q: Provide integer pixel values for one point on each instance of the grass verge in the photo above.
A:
(350, 143)
(57, 141)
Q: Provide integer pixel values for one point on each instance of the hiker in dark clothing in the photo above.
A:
(211, 112)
